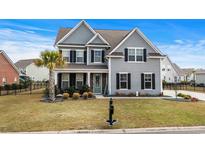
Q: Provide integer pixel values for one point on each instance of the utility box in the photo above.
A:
(137, 93)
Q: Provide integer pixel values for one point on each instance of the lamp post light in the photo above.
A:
(110, 121)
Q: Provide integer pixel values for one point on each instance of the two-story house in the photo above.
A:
(109, 61)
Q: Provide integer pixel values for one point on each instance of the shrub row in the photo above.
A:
(72, 90)
(187, 97)
(16, 86)
(76, 96)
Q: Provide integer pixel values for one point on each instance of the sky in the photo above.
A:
(182, 40)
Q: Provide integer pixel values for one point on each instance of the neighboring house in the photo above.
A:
(171, 73)
(8, 72)
(200, 76)
(109, 61)
(189, 74)
(28, 68)
(181, 75)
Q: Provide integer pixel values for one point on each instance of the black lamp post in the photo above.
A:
(110, 121)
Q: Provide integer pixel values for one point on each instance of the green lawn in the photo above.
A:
(27, 113)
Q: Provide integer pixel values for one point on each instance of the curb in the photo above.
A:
(171, 130)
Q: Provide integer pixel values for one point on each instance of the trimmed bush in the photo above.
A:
(194, 99)
(76, 96)
(90, 95)
(85, 95)
(66, 95)
(180, 95)
(85, 88)
(70, 90)
(187, 97)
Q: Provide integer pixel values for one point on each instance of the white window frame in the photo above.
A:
(79, 50)
(98, 50)
(68, 80)
(120, 73)
(148, 81)
(67, 53)
(136, 48)
(78, 80)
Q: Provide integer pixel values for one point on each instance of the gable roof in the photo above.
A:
(9, 60)
(76, 27)
(97, 35)
(112, 37)
(200, 71)
(188, 71)
(179, 71)
(22, 64)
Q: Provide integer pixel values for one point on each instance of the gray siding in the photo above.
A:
(152, 66)
(80, 36)
(119, 65)
(135, 40)
(97, 40)
(200, 78)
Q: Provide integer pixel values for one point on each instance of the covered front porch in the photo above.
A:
(96, 80)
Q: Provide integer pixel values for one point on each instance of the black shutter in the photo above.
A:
(145, 54)
(126, 54)
(84, 78)
(153, 81)
(74, 56)
(85, 56)
(92, 56)
(129, 81)
(71, 56)
(117, 81)
(72, 79)
(103, 56)
(59, 80)
(142, 81)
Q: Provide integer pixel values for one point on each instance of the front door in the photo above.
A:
(97, 83)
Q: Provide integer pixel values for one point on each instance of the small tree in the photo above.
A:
(51, 60)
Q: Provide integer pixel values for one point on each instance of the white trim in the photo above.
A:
(10, 61)
(160, 75)
(88, 45)
(94, 37)
(79, 50)
(79, 80)
(113, 56)
(123, 41)
(109, 75)
(135, 48)
(126, 73)
(76, 27)
(71, 46)
(143, 37)
(148, 73)
(156, 57)
(94, 62)
(82, 70)
(68, 80)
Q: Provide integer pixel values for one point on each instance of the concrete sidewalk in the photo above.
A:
(156, 130)
(171, 93)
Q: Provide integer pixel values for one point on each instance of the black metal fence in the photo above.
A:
(183, 86)
(15, 89)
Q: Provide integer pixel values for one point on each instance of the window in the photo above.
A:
(97, 56)
(124, 81)
(66, 56)
(65, 81)
(135, 54)
(79, 81)
(79, 56)
(148, 81)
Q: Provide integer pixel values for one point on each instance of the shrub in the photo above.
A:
(90, 95)
(66, 95)
(76, 96)
(180, 95)
(14, 86)
(85, 88)
(46, 92)
(70, 90)
(131, 94)
(85, 95)
(187, 97)
(7, 86)
(194, 99)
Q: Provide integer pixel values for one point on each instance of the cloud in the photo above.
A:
(23, 44)
(186, 53)
(25, 27)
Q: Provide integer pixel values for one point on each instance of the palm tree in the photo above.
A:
(51, 60)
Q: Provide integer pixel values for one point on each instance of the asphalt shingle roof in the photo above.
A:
(22, 64)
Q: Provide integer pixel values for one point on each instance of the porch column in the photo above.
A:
(88, 79)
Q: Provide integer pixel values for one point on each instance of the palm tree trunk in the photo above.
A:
(51, 85)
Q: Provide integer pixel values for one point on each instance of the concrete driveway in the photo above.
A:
(200, 96)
